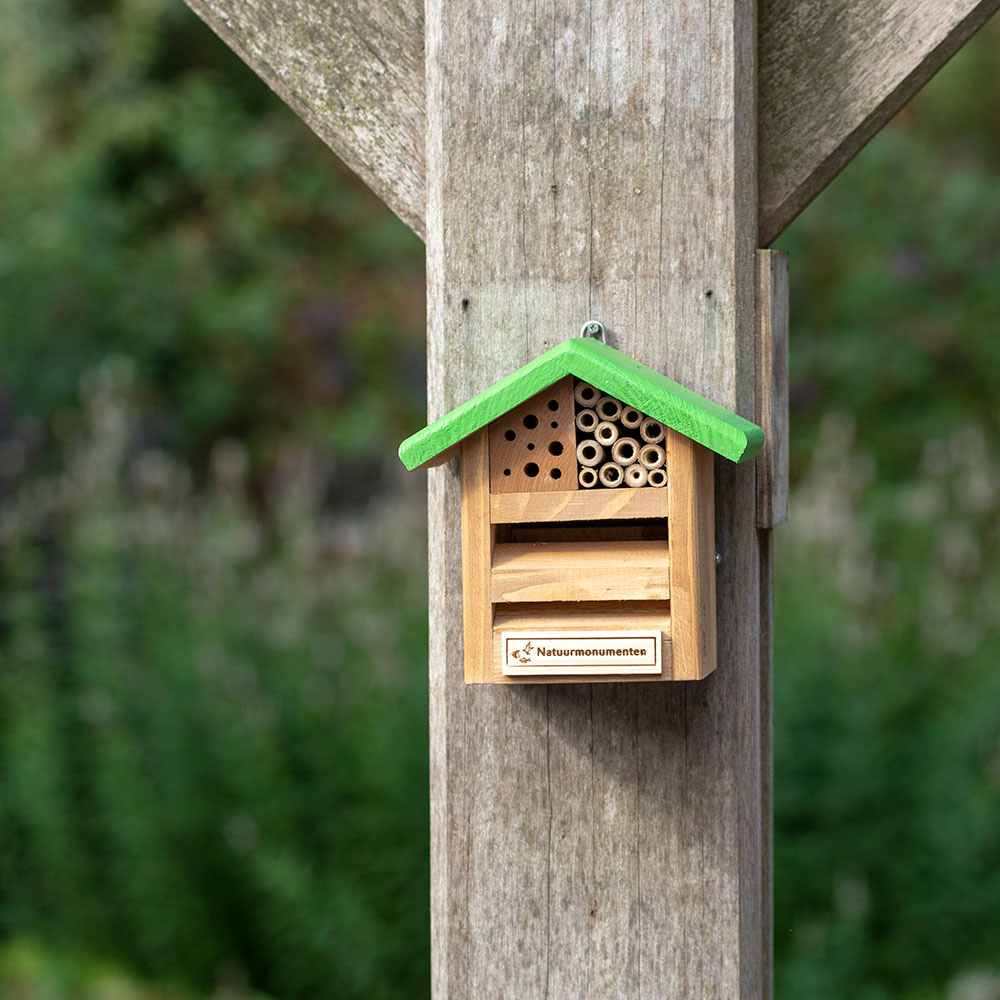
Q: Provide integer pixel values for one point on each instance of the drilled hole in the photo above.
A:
(530, 421)
(531, 470)
(506, 472)
(556, 473)
(531, 446)
(555, 424)
(510, 435)
(553, 404)
(555, 448)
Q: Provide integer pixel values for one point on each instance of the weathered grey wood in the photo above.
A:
(772, 387)
(832, 74)
(353, 70)
(595, 159)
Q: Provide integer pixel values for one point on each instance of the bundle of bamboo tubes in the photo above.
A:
(616, 444)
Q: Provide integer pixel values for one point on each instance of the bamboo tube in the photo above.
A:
(608, 408)
(611, 475)
(587, 420)
(631, 418)
(656, 477)
(652, 456)
(589, 453)
(635, 476)
(625, 451)
(586, 394)
(606, 433)
(588, 478)
(651, 431)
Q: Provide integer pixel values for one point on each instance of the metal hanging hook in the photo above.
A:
(593, 328)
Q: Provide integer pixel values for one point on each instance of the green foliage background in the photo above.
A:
(212, 644)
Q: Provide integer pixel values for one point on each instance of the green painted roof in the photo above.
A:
(611, 372)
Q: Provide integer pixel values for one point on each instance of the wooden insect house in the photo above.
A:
(588, 519)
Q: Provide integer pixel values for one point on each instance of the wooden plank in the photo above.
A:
(579, 505)
(692, 549)
(772, 387)
(353, 70)
(832, 74)
(595, 160)
(582, 617)
(477, 557)
(581, 571)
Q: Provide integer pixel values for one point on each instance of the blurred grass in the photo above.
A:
(213, 759)
(30, 971)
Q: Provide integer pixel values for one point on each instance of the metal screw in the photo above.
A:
(592, 328)
(718, 558)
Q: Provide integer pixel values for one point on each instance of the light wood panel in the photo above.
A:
(477, 556)
(533, 445)
(581, 571)
(772, 387)
(579, 505)
(692, 549)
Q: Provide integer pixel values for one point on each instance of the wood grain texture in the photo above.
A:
(477, 557)
(832, 74)
(581, 571)
(595, 160)
(578, 505)
(538, 436)
(772, 387)
(353, 70)
(691, 492)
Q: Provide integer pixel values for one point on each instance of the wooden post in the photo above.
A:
(595, 160)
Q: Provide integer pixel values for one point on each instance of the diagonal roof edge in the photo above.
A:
(613, 373)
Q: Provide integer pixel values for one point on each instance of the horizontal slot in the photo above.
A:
(580, 571)
(583, 616)
(578, 505)
(646, 530)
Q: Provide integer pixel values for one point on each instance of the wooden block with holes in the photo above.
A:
(588, 519)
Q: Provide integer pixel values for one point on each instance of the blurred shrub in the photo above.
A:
(887, 755)
(159, 202)
(213, 750)
(29, 971)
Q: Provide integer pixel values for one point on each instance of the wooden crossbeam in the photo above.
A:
(831, 74)
(353, 70)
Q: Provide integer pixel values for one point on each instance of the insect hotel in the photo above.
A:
(588, 519)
